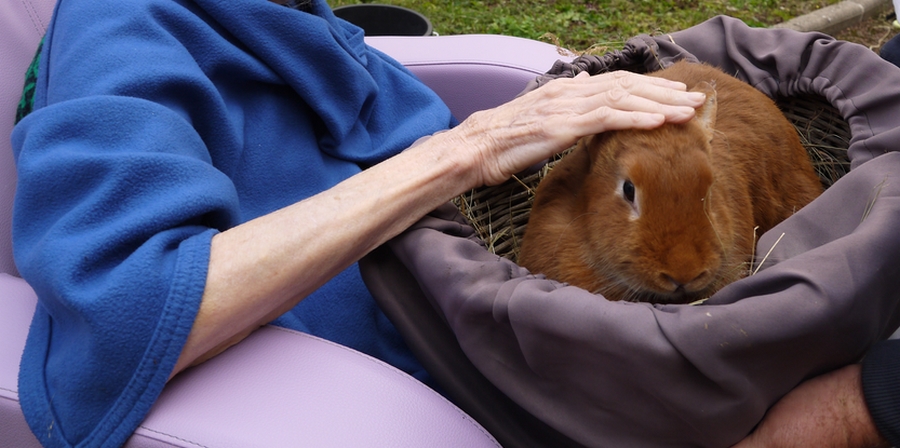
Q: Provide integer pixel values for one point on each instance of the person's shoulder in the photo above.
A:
(115, 47)
(92, 10)
(117, 17)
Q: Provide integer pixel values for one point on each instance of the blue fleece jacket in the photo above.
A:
(158, 123)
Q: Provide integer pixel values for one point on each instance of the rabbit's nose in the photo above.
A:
(687, 281)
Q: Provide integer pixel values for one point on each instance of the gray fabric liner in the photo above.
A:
(624, 374)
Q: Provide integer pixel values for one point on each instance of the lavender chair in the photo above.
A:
(278, 387)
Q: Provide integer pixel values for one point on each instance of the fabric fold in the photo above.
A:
(634, 374)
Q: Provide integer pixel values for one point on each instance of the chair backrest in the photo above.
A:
(22, 24)
(472, 72)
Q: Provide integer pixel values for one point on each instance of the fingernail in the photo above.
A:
(683, 114)
(698, 97)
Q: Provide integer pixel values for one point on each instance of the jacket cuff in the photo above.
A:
(881, 388)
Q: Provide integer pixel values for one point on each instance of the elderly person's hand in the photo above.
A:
(262, 268)
(825, 411)
(550, 119)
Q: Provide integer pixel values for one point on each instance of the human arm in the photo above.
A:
(853, 407)
(127, 170)
(825, 411)
(289, 253)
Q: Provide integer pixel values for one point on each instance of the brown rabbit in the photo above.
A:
(669, 215)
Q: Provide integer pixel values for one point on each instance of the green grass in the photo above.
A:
(579, 24)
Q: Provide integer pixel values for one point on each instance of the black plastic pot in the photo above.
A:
(385, 20)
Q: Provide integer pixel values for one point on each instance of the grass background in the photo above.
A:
(580, 24)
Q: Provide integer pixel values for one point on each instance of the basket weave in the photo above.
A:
(500, 213)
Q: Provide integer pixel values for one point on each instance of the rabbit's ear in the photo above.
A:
(593, 146)
(706, 114)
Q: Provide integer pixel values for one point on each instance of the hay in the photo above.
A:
(824, 133)
(500, 213)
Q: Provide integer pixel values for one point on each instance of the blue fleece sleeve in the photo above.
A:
(158, 123)
(115, 243)
(115, 207)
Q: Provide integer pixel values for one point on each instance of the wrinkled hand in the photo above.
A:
(826, 411)
(533, 127)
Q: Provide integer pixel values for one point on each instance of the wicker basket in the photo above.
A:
(500, 214)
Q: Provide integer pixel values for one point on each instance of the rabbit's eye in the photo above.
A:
(628, 191)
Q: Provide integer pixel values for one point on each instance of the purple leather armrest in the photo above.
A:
(284, 388)
(474, 71)
(276, 388)
(17, 301)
